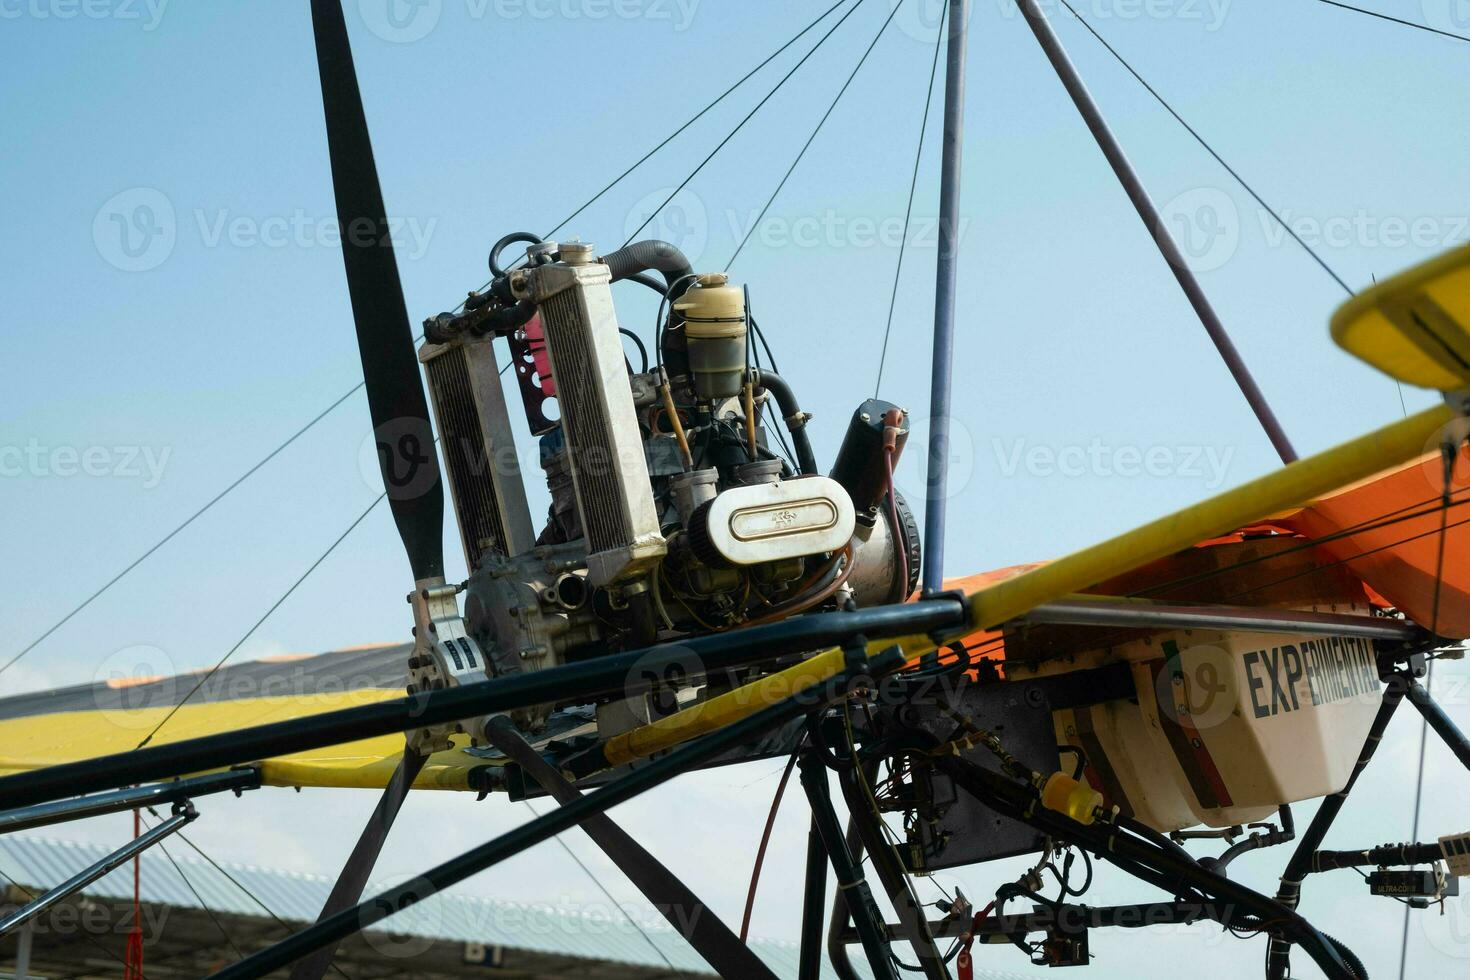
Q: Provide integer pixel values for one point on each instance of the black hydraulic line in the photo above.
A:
(631, 671)
(850, 881)
(1144, 205)
(45, 814)
(543, 828)
(504, 242)
(1160, 866)
(813, 907)
(792, 415)
(96, 870)
(1139, 915)
(941, 378)
(1278, 951)
(675, 901)
(1442, 724)
(1148, 833)
(1385, 855)
(1268, 838)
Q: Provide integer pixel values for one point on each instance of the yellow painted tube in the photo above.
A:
(1284, 489)
(742, 702)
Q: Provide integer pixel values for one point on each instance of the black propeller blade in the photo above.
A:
(384, 339)
(400, 413)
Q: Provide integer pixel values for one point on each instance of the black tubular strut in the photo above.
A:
(1384, 856)
(572, 683)
(1278, 951)
(689, 916)
(1442, 724)
(347, 889)
(1146, 860)
(28, 818)
(813, 907)
(851, 884)
(936, 492)
(543, 828)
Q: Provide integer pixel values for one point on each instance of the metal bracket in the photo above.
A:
(444, 655)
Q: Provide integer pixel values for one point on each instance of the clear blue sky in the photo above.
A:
(148, 370)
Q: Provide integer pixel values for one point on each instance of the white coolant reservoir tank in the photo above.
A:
(715, 332)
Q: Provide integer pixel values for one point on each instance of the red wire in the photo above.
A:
(760, 854)
(133, 956)
(964, 965)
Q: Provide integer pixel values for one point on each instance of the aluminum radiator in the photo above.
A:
(599, 423)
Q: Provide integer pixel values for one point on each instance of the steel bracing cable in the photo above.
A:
(605, 893)
(186, 522)
(1449, 453)
(908, 210)
(692, 120)
(84, 933)
(240, 886)
(264, 616)
(1211, 150)
(815, 130)
(741, 124)
(218, 925)
(358, 387)
(1395, 20)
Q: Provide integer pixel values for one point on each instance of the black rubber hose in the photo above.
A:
(655, 256)
(644, 279)
(500, 246)
(795, 418)
(1348, 956)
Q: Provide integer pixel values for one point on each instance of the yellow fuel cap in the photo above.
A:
(1415, 326)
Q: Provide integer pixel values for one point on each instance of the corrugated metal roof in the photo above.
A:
(40, 863)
